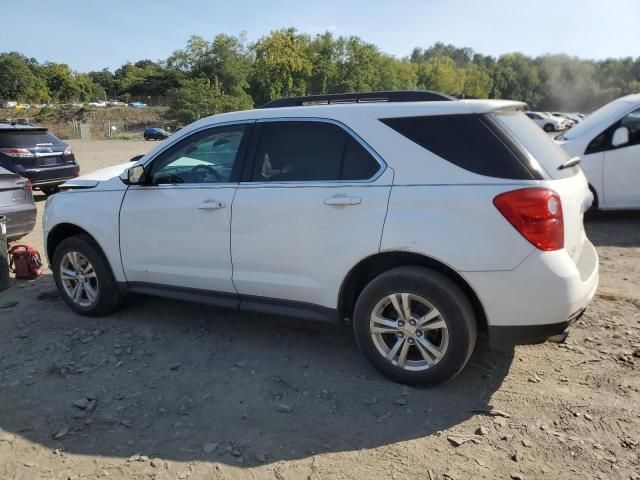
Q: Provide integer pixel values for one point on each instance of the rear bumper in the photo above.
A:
(21, 219)
(50, 176)
(539, 298)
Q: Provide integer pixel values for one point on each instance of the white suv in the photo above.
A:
(419, 218)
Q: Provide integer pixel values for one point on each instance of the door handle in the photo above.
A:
(211, 205)
(342, 200)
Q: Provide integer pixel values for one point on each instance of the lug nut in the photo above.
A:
(419, 333)
(400, 335)
(400, 323)
(412, 322)
(411, 341)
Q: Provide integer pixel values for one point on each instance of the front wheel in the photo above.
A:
(415, 325)
(84, 278)
(548, 128)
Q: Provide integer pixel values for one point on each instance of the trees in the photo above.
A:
(225, 73)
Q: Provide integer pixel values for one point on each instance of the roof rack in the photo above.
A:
(360, 97)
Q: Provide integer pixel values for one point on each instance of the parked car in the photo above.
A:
(35, 153)
(116, 103)
(549, 123)
(155, 134)
(137, 105)
(608, 144)
(16, 203)
(571, 116)
(420, 222)
(568, 122)
(99, 104)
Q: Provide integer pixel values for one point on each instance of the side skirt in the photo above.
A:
(249, 303)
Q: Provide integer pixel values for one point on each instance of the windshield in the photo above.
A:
(600, 119)
(537, 143)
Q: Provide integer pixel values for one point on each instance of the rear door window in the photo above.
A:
(27, 138)
(303, 151)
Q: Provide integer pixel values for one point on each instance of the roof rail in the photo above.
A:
(360, 97)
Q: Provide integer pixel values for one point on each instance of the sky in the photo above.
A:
(91, 35)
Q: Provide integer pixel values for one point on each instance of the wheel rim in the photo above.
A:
(79, 279)
(409, 332)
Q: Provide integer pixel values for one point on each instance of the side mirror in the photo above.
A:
(133, 175)
(620, 137)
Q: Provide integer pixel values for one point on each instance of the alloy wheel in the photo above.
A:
(79, 279)
(409, 331)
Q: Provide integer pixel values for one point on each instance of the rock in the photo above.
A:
(61, 433)
(535, 379)
(126, 423)
(261, 458)
(81, 403)
(175, 366)
(284, 408)
(236, 453)
(49, 295)
(482, 430)
(517, 457)
(155, 462)
(517, 476)
(588, 417)
(500, 421)
(457, 440)
(527, 443)
(9, 304)
(400, 401)
(209, 447)
(492, 413)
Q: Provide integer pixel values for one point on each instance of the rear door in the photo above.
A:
(312, 205)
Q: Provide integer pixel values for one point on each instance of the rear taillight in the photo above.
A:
(23, 184)
(17, 152)
(68, 150)
(536, 213)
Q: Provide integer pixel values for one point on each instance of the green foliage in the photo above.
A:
(225, 73)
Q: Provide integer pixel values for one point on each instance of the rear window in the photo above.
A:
(27, 138)
(533, 139)
(469, 141)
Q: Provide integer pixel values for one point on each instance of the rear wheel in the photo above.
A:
(415, 325)
(84, 278)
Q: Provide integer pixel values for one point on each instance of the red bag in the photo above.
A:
(25, 262)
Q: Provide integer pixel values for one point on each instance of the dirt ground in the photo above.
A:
(170, 390)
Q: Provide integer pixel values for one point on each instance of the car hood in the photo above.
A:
(94, 178)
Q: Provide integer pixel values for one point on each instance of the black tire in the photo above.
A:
(50, 190)
(548, 127)
(108, 296)
(443, 294)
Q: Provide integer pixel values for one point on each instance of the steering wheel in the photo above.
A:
(201, 171)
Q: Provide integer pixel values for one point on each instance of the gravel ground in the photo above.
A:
(171, 390)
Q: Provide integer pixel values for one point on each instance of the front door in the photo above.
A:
(622, 167)
(175, 229)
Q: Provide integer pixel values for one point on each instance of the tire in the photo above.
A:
(106, 296)
(548, 127)
(444, 298)
(50, 190)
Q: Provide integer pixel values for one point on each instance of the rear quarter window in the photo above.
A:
(469, 141)
(27, 138)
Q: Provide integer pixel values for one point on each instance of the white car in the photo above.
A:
(607, 143)
(547, 122)
(99, 104)
(420, 219)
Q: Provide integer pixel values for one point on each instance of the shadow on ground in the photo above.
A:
(187, 382)
(614, 229)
